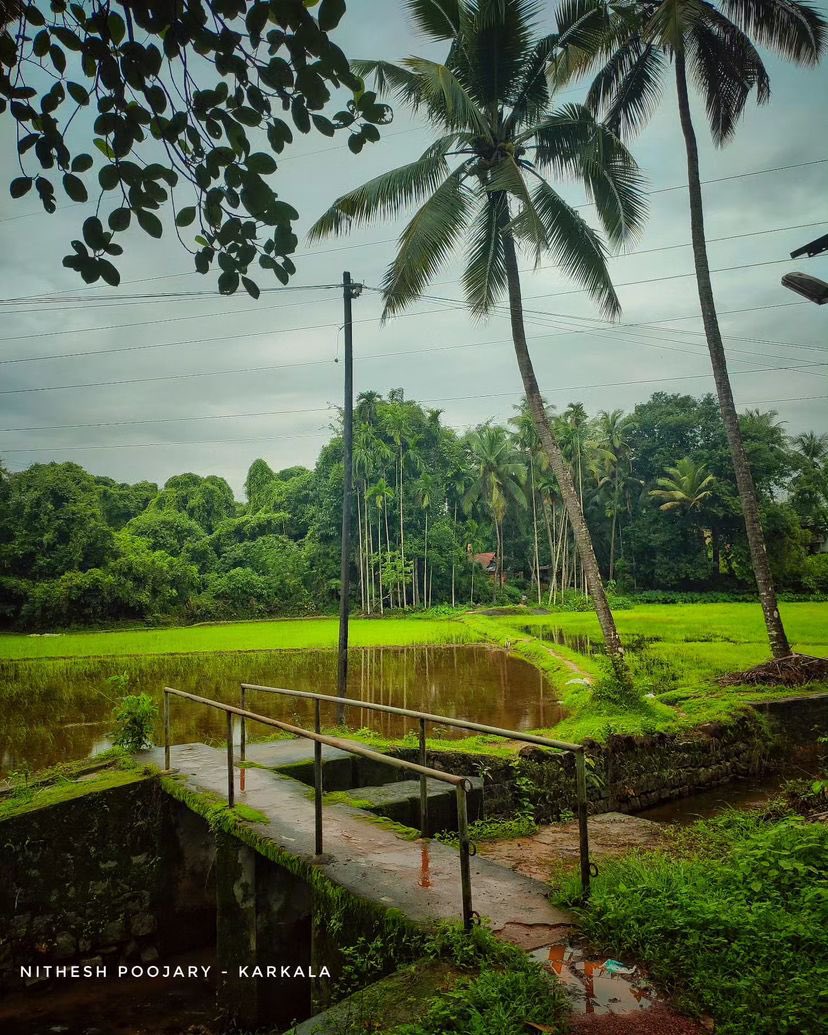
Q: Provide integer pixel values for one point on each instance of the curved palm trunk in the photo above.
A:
(744, 478)
(589, 563)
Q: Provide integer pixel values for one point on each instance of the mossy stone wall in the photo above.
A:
(81, 881)
(625, 774)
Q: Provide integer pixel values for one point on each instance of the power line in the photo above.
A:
(165, 420)
(148, 445)
(658, 190)
(455, 303)
(127, 300)
(445, 348)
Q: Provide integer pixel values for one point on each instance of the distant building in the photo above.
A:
(487, 561)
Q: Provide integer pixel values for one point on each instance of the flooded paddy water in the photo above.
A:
(56, 710)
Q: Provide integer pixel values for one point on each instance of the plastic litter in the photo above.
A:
(615, 967)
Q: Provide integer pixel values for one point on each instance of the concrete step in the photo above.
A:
(341, 770)
(400, 801)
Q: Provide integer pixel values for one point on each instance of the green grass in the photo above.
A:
(286, 634)
(731, 920)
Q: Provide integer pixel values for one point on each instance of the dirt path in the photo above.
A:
(613, 833)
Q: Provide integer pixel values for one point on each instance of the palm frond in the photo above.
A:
(385, 195)
(588, 32)
(389, 80)
(437, 19)
(793, 29)
(497, 44)
(726, 67)
(426, 241)
(576, 247)
(508, 177)
(627, 90)
(571, 142)
(446, 98)
(484, 278)
(531, 96)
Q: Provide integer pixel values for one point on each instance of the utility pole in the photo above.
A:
(349, 292)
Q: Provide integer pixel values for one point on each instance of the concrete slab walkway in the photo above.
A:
(421, 878)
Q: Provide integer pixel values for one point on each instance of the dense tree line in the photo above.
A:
(656, 485)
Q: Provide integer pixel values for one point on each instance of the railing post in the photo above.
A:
(423, 783)
(465, 851)
(166, 731)
(317, 779)
(231, 791)
(583, 833)
(242, 726)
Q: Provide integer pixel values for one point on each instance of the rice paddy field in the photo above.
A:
(517, 669)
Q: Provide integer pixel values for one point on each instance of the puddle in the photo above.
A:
(424, 880)
(585, 644)
(598, 986)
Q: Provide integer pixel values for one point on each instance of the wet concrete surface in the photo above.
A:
(368, 859)
(612, 833)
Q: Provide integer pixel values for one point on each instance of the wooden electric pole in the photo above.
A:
(349, 292)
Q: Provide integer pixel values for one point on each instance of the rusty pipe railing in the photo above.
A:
(461, 784)
(476, 727)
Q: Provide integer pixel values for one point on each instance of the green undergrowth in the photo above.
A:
(730, 919)
(505, 990)
(492, 830)
(28, 792)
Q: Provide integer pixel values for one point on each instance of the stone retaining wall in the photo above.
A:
(629, 773)
(81, 882)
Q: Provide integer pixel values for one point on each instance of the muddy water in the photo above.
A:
(57, 710)
(804, 761)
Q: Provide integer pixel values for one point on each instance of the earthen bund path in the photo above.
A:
(420, 878)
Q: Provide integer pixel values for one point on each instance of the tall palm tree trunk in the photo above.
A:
(589, 563)
(744, 479)
(535, 524)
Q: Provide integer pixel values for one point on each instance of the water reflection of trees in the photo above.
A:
(57, 709)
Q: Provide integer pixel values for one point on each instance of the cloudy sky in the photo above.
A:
(237, 379)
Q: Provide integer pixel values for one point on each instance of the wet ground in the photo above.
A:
(557, 844)
(56, 710)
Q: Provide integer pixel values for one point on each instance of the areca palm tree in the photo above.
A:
(614, 427)
(484, 185)
(497, 480)
(713, 44)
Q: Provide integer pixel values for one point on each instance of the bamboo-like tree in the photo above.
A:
(484, 186)
(713, 44)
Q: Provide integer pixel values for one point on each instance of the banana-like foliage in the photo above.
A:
(501, 139)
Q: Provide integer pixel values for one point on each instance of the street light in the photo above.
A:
(812, 288)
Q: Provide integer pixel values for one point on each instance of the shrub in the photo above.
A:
(135, 717)
(734, 926)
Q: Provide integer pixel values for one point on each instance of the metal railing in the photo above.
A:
(443, 720)
(462, 785)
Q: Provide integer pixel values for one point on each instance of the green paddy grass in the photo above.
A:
(286, 634)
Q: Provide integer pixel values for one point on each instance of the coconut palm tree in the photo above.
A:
(713, 43)
(484, 186)
(687, 486)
